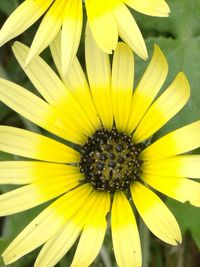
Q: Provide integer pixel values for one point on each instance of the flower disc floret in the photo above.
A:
(110, 160)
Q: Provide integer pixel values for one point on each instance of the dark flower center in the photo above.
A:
(110, 160)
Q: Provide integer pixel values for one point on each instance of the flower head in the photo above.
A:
(108, 157)
(107, 20)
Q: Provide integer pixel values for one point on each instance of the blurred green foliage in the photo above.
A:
(179, 38)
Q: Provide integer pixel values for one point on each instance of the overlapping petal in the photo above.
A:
(48, 29)
(49, 85)
(47, 223)
(22, 18)
(93, 232)
(57, 246)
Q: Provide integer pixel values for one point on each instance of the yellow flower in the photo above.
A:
(107, 19)
(111, 160)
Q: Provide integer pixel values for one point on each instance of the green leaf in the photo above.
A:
(188, 218)
(7, 6)
(183, 21)
(5, 156)
(3, 73)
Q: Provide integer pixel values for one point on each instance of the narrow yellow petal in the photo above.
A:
(71, 32)
(158, 8)
(122, 85)
(46, 224)
(98, 70)
(155, 214)
(56, 247)
(41, 75)
(178, 166)
(36, 110)
(125, 236)
(181, 189)
(148, 87)
(129, 31)
(93, 233)
(22, 18)
(29, 196)
(76, 83)
(55, 92)
(102, 24)
(174, 143)
(25, 172)
(49, 27)
(27, 144)
(164, 108)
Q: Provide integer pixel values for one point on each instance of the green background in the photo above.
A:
(179, 38)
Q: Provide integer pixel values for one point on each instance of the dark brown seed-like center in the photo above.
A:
(110, 160)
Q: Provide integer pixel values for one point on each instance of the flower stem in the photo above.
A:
(105, 257)
(145, 243)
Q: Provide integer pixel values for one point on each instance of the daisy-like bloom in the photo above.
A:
(111, 161)
(107, 20)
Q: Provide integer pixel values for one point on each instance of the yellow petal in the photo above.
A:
(98, 70)
(29, 196)
(22, 18)
(155, 214)
(36, 110)
(148, 87)
(56, 247)
(25, 172)
(181, 189)
(46, 224)
(41, 75)
(93, 233)
(129, 31)
(49, 27)
(102, 24)
(76, 83)
(27, 144)
(158, 8)
(174, 143)
(125, 236)
(178, 166)
(164, 108)
(53, 90)
(122, 85)
(71, 32)
(99, 7)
